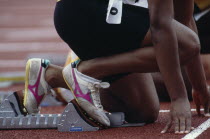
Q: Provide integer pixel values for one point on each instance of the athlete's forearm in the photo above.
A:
(166, 47)
(166, 50)
(193, 25)
(197, 80)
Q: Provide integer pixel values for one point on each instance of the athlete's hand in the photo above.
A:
(180, 117)
(201, 99)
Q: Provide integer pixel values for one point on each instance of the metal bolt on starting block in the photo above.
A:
(11, 117)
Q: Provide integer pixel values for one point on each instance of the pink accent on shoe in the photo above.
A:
(36, 86)
(77, 88)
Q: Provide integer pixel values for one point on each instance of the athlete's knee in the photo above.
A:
(195, 45)
(148, 115)
(152, 116)
(191, 49)
(194, 50)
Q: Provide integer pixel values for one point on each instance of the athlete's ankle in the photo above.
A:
(51, 76)
(87, 68)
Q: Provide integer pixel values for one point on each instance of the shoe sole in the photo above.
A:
(26, 82)
(84, 115)
(28, 65)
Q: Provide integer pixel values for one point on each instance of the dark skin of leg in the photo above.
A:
(135, 92)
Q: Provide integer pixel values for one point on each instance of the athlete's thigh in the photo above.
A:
(135, 95)
(147, 40)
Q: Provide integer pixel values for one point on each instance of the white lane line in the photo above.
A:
(55, 58)
(11, 74)
(44, 20)
(12, 63)
(58, 59)
(33, 46)
(197, 131)
(28, 33)
(169, 110)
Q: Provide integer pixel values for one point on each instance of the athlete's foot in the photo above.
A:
(86, 91)
(36, 87)
(54, 77)
(86, 67)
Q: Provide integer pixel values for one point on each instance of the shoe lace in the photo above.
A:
(95, 92)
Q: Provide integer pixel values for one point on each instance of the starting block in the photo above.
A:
(12, 117)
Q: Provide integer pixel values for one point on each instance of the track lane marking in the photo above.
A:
(162, 111)
(12, 63)
(57, 59)
(28, 33)
(198, 130)
(33, 46)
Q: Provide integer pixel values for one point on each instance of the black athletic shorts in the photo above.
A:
(82, 25)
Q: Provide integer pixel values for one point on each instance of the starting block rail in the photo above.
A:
(11, 117)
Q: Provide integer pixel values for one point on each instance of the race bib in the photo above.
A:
(114, 11)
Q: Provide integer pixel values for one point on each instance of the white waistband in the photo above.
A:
(114, 12)
(140, 3)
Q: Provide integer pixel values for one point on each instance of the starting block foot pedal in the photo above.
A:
(73, 120)
(11, 106)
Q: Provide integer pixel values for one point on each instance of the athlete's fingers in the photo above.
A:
(168, 125)
(198, 109)
(197, 103)
(188, 125)
(206, 110)
(182, 125)
(176, 125)
(207, 114)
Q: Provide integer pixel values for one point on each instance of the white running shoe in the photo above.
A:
(36, 87)
(86, 92)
